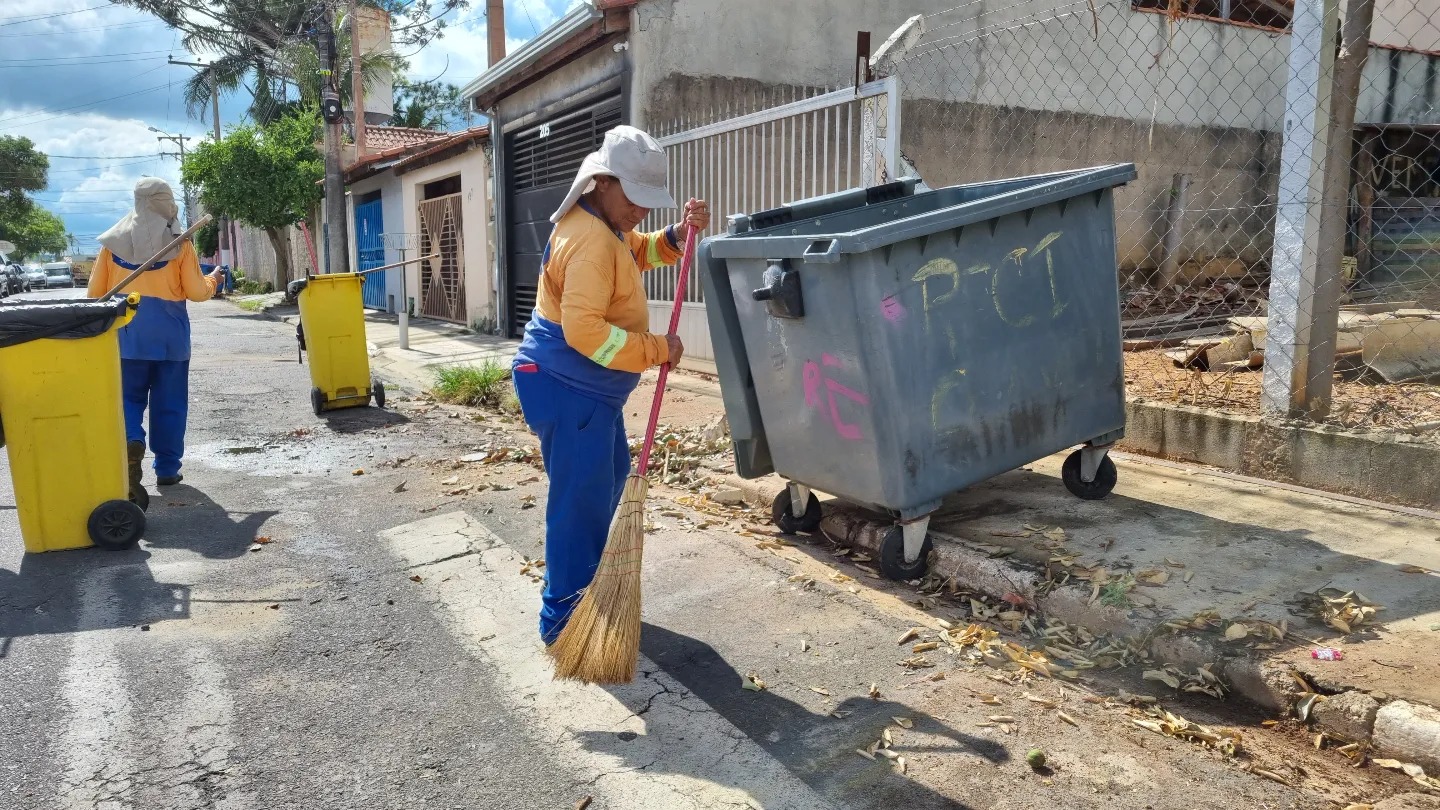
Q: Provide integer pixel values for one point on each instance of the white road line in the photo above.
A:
(684, 756)
(99, 734)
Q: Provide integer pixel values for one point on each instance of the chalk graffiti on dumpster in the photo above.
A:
(1004, 283)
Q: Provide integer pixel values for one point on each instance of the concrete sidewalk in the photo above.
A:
(433, 344)
(1200, 546)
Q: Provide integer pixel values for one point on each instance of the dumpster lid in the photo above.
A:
(817, 238)
(22, 322)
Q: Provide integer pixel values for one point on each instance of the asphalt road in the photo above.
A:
(377, 647)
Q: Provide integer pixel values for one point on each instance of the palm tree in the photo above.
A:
(269, 73)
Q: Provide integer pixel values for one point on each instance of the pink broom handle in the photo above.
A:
(685, 264)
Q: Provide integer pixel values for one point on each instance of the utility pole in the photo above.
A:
(1304, 285)
(337, 253)
(184, 189)
(357, 82)
(223, 225)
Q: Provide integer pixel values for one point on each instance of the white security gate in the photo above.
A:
(835, 141)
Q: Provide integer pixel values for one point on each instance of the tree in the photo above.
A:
(207, 239)
(22, 169)
(261, 45)
(428, 105)
(267, 177)
(37, 231)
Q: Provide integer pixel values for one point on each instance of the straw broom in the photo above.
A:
(601, 641)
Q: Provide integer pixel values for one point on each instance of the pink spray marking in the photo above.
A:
(812, 377)
(812, 384)
(892, 309)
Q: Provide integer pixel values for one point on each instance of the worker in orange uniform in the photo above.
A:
(585, 346)
(155, 346)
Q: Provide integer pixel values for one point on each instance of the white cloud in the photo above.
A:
(91, 194)
(465, 46)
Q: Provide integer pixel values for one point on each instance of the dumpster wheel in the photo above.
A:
(784, 518)
(1105, 478)
(377, 390)
(116, 525)
(317, 401)
(892, 556)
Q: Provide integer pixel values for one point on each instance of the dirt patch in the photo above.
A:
(1357, 405)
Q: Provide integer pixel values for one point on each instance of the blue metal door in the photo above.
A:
(370, 251)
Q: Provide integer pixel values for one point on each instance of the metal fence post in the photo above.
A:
(1300, 281)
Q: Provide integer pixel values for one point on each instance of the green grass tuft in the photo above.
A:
(486, 385)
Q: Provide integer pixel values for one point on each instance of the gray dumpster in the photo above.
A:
(891, 347)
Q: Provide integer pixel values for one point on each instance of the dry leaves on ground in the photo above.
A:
(1160, 721)
(1346, 612)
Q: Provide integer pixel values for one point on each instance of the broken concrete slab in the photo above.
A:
(1349, 715)
(1409, 732)
(1409, 801)
(1403, 349)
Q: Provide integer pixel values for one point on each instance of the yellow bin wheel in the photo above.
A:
(116, 525)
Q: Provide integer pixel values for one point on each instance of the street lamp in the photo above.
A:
(162, 135)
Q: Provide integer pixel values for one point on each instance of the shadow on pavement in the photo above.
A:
(84, 589)
(184, 517)
(359, 420)
(818, 749)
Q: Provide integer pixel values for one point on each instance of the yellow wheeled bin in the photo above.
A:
(332, 332)
(64, 424)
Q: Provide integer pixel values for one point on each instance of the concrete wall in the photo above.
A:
(473, 168)
(1401, 86)
(257, 257)
(1000, 88)
(561, 88)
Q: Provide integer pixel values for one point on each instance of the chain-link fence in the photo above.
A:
(1246, 283)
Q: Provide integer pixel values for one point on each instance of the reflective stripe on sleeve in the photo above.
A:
(605, 355)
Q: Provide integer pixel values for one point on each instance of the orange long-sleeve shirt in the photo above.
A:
(161, 327)
(591, 286)
(591, 323)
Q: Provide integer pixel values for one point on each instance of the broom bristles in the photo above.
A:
(601, 641)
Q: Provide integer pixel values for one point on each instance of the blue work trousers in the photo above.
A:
(162, 387)
(587, 458)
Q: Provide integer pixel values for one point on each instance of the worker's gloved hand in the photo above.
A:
(677, 349)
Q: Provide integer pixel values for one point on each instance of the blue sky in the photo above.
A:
(88, 81)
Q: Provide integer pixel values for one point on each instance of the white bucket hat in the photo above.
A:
(141, 233)
(635, 159)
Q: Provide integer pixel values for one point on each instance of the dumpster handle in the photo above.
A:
(173, 243)
(823, 251)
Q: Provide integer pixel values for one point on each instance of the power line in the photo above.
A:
(62, 111)
(96, 157)
(87, 57)
(32, 63)
(39, 17)
(69, 31)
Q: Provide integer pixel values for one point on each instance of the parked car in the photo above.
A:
(35, 277)
(57, 274)
(12, 280)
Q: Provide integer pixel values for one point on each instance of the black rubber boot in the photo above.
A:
(169, 480)
(135, 455)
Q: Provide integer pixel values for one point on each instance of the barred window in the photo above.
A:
(1274, 14)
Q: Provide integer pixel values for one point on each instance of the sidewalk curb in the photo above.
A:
(1405, 730)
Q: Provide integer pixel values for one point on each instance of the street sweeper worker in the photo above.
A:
(155, 345)
(587, 343)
